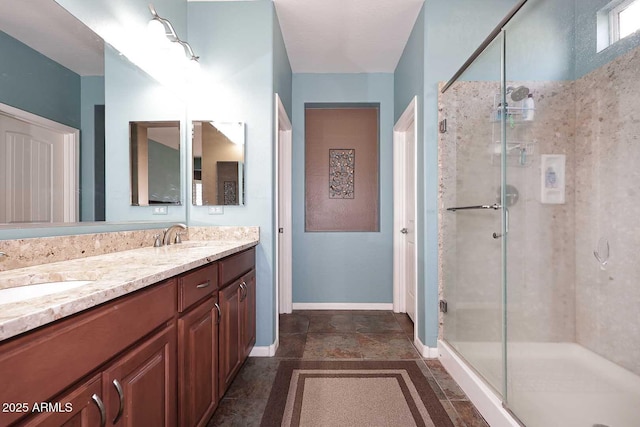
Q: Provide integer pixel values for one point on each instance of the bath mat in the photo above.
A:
(352, 393)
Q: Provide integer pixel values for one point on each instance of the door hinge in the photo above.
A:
(443, 305)
(443, 126)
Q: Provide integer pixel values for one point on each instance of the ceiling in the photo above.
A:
(321, 36)
(48, 28)
(346, 36)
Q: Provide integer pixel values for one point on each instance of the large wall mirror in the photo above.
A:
(155, 163)
(51, 117)
(218, 163)
(59, 72)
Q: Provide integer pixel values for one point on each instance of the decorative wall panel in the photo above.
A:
(341, 172)
(341, 195)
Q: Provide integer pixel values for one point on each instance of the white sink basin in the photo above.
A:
(20, 293)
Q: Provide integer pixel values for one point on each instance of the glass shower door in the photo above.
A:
(471, 222)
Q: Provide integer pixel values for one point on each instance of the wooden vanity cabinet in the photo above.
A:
(230, 348)
(237, 320)
(84, 405)
(198, 346)
(139, 387)
(161, 356)
(46, 363)
(248, 313)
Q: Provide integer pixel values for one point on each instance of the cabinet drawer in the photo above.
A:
(236, 265)
(196, 285)
(36, 366)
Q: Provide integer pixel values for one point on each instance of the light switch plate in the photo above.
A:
(160, 210)
(216, 210)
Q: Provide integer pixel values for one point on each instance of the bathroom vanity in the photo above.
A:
(161, 353)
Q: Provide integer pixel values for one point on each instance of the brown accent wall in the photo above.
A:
(341, 128)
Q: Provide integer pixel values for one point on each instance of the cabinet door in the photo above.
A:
(248, 314)
(140, 387)
(198, 364)
(82, 407)
(230, 356)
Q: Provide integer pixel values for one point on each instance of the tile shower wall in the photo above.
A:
(557, 290)
(607, 177)
(541, 277)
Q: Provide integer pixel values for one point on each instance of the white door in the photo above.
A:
(283, 214)
(410, 221)
(405, 238)
(33, 173)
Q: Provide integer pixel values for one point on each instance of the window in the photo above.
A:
(625, 19)
(617, 20)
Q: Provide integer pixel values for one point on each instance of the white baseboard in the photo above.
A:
(265, 351)
(341, 306)
(482, 397)
(425, 351)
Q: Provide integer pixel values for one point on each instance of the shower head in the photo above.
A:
(519, 93)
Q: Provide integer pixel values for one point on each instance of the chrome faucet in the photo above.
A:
(167, 233)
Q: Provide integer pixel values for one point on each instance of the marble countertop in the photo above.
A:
(113, 275)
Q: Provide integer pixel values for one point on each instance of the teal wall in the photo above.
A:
(453, 30)
(587, 57)
(164, 176)
(540, 42)
(238, 64)
(343, 267)
(32, 82)
(282, 76)
(409, 83)
(131, 95)
(92, 94)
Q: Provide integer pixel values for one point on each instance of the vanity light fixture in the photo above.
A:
(162, 26)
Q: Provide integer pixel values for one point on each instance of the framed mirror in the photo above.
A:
(218, 163)
(155, 163)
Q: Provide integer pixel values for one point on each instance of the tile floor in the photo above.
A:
(317, 335)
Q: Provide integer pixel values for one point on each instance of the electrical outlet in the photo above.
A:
(216, 210)
(160, 210)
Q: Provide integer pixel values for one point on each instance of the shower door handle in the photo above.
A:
(494, 206)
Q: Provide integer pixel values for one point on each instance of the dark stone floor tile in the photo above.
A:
(238, 413)
(469, 414)
(293, 324)
(331, 323)
(405, 323)
(332, 346)
(455, 418)
(384, 322)
(255, 379)
(391, 346)
(291, 346)
(447, 384)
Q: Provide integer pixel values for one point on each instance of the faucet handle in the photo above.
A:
(178, 238)
(157, 243)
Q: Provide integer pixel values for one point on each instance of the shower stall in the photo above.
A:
(539, 208)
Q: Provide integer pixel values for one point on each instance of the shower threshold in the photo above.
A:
(548, 384)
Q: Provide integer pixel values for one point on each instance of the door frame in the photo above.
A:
(71, 157)
(283, 216)
(408, 120)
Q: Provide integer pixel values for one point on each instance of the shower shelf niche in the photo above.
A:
(519, 153)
